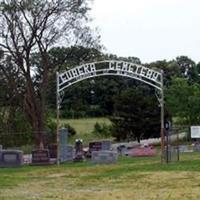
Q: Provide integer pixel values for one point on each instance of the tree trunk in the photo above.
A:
(35, 111)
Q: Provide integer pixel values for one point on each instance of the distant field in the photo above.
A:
(84, 127)
(129, 179)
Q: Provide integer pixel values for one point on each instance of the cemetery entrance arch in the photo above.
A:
(138, 72)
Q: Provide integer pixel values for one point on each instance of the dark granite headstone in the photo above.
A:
(79, 154)
(95, 146)
(104, 157)
(52, 150)
(40, 157)
(11, 158)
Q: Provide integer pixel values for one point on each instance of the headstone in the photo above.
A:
(142, 151)
(66, 153)
(40, 157)
(52, 150)
(186, 148)
(27, 159)
(122, 149)
(79, 154)
(1, 147)
(104, 157)
(11, 158)
(197, 147)
(63, 133)
(104, 145)
(95, 146)
(171, 154)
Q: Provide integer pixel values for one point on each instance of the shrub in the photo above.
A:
(102, 129)
(51, 126)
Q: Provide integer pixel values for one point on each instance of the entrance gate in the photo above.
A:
(138, 72)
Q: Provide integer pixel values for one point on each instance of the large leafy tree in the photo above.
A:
(182, 99)
(136, 114)
(33, 26)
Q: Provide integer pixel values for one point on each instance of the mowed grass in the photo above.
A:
(85, 125)
(84, 128)
(129, 178)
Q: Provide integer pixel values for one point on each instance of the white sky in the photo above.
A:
(149, 29)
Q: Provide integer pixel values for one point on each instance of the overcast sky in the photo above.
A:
(149, 29)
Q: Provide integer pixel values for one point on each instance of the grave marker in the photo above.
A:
(104, 157)
(11, 158)
(186, 148)
(52, 150)
(66, 153)
(40, 157)
(79, 150)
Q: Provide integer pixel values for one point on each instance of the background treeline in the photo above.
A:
(132, 106)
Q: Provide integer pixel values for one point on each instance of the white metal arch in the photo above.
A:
(138, 72)
(106, 68)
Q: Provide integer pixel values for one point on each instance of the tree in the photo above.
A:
(136, 114)
(183, 99)
(170, 69)
(189, 69)
(33, 26)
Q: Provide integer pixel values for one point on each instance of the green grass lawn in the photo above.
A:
(84, 125)
(84, 128)
(129, 178)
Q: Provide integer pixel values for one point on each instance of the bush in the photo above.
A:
(70, 129)
(52, 125)
(103, 129)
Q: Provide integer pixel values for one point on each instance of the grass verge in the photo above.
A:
(130, 178)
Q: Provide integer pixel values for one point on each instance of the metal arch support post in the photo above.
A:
(57, 118)
(162, 120)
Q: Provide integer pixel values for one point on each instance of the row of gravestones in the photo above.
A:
(99, 152)
(42, 157)
(189, 148)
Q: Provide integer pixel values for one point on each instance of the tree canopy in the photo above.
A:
(31, 27)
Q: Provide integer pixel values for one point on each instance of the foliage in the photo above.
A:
(103, 129)
(29, 29)
(14, 129)
(51, 127)
(183, 100)
(136, 117)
